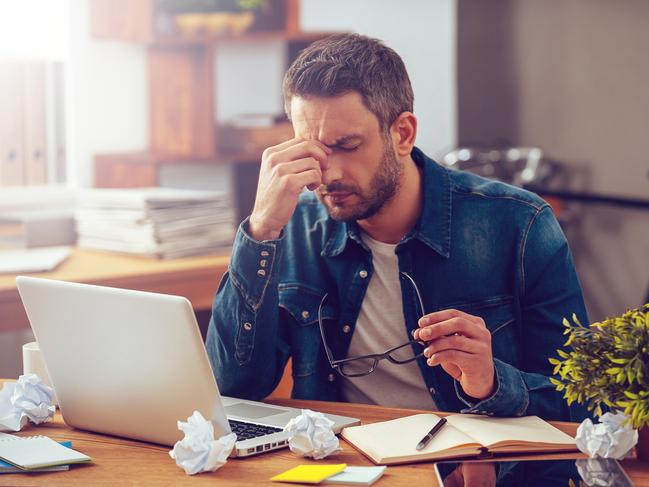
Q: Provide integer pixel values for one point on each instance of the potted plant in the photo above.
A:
(212, 17)
(607, 367)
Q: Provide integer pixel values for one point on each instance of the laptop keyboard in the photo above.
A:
(245, 431)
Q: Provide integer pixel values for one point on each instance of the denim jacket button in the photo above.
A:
(363, 274)
(263, 262)
(305, 314)
(264, 253)
(432, 390)
(347, 329)
(247, 326)
(261, 273)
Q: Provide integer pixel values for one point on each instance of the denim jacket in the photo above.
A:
(480, 246)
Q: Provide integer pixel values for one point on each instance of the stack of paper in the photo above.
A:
(156, 222)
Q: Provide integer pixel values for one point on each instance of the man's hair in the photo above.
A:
(344, 63)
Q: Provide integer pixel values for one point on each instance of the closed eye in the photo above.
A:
(348, 143)
(348, 149)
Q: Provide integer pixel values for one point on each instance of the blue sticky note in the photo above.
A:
(357, 476)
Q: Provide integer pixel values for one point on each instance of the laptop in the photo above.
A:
(132, 364)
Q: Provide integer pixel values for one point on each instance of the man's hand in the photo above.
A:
(461, 344)
(285, 170)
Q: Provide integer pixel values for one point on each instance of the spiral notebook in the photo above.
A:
(32, 452)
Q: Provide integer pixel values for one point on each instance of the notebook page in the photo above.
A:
(527, 429)
(399, 437)
(37, 451)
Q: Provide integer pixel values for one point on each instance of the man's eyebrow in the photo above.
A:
(344, 140)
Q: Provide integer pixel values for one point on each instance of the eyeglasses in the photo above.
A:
(366, 364)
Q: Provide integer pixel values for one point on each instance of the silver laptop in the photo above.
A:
(132, 364)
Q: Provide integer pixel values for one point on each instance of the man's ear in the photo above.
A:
(404, 132)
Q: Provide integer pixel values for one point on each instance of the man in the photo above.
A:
(359, 243)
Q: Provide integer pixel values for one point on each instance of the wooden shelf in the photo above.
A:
(144, 22)
(181, 85)
(203, 40)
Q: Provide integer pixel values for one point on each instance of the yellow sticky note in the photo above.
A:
(309, 474)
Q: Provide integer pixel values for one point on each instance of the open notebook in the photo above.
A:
(464, 435)
(37, 452)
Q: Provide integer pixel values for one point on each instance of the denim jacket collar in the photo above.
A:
(436, 212)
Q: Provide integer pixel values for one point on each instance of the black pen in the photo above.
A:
(424, 441)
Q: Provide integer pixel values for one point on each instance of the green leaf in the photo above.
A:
(620, 361)
(606, 364)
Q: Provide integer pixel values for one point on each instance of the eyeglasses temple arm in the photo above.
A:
(414, 285)
(322, 334)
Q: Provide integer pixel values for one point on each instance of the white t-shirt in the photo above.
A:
(380, 326)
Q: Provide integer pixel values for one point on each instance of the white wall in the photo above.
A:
(248, 77)
(34, 29)
(106, 97)
(422, 32)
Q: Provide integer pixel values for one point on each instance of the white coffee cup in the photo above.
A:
(33, 363)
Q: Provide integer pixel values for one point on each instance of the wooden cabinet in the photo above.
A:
(181, 84)
(181, 69)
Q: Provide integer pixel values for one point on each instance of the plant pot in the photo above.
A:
(240, 22)
(642, 448)
(214, 23)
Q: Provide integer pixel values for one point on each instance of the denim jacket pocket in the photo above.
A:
(301, 304)
(498, 314)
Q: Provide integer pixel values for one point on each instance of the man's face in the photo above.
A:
(363, 172)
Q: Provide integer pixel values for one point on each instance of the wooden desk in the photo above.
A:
(125, 462)
(196, 278)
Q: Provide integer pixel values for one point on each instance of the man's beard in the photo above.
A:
(382, 188)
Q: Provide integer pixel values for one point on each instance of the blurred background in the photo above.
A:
(174, 94)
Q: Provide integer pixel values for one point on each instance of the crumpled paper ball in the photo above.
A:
(198, 451)
(311, 435)
(608, 438)
(29, 399)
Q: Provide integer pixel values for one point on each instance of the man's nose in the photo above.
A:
(333, 171)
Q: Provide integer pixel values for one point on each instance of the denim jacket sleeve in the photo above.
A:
(549, 291)
(245, 342)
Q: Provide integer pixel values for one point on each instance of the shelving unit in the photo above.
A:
(181, 68)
